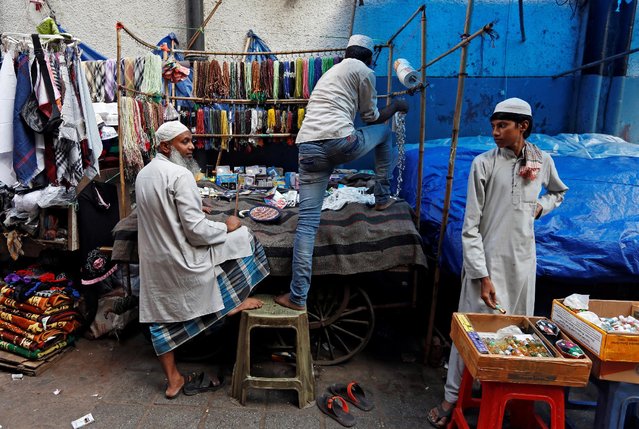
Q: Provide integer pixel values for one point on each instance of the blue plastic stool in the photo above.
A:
(615, 399)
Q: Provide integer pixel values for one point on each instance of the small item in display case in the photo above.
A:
(265, 214)
(515, 345)
(223, 169)
(547, 327)
(569, 349)
(499, 308)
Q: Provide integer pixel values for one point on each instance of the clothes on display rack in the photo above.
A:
(259, 81)
(138, 121)
(67, 147)
(246, 123)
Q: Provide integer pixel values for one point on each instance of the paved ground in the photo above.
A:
(121, 385)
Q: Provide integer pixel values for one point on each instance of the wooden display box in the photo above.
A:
(615, 356)
(607, 346)
(558, 370)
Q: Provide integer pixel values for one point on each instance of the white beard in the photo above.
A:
(188, 163)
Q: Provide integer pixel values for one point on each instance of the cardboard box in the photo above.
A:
(607, 346)
(558, 370)
(627, 372)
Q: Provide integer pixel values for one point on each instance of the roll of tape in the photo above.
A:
(407, 75)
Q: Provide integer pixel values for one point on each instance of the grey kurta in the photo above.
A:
(179, 247)
(498, 236)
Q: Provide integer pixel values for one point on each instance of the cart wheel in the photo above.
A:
(341, 321)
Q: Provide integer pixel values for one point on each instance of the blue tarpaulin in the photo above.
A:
(88, 53)
(592, 237)
(256, 44)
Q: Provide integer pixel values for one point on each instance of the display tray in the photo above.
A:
(607, 346)
(484, 366)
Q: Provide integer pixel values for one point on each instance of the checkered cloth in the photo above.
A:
(532, 162)
(237, 281)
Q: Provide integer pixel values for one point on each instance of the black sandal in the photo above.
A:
(336, 408)
(202, 383)
(441, 415)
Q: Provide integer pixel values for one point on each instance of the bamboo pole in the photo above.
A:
(419, 9)
(449, 179)
(238, 101)
(204, 23)
(390, 73)
(422, 126)
(274, 135)
(118, 79)
(485, 29)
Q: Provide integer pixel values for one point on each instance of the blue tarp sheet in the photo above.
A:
(592, 237)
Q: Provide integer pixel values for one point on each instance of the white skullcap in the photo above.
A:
(170, 130)
(361, 40)
(513, 105)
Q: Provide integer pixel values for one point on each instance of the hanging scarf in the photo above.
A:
(152, 76)
(129, 73)
(109, 81)
(276, 79)
(327, 63)
(226, 80)
(318, 71)
(286, 79)
(138, 73)
(311, 74)
(305, 92)
(215, 80)
(248, 77)
(299, 78)
(532, 162)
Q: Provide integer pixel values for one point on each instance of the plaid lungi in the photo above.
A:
(238, 279)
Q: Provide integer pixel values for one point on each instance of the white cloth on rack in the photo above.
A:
(8, 82)
(91, 125)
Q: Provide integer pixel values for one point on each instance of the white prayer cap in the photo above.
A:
(361, 40)
(513, 105)
(170, 130)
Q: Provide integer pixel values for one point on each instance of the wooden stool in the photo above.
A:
(495, 397)
(273, 315)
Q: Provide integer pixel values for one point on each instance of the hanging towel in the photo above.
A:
(8, 83)
(24, 149)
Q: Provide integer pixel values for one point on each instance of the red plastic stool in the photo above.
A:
(495, 398)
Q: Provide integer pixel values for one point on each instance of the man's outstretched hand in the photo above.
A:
(232, 223)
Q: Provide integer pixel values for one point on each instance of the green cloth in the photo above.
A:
(48, 26)
(35, 354)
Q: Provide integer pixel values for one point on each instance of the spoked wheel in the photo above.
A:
(341, 320)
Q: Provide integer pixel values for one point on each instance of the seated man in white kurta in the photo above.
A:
(498, 236)
(186, 260)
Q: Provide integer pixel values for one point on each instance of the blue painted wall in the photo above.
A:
(504, 66)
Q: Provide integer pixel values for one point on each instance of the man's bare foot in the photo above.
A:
(174, 387)
(285, 301)
(248, 304)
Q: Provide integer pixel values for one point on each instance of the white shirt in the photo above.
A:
(345, 89)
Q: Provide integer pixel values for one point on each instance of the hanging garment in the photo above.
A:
(311, 74)
(305, 91)
(138, 73)
(97, 215)
(299, 78)
(8, 83)
(109, 81)
(318, 71)
(91, 126)
(129, 72)
(24, 149)
(282, 79)
(68, 154)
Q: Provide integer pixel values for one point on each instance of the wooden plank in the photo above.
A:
(18, 364)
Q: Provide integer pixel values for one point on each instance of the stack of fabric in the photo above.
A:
(37, 313)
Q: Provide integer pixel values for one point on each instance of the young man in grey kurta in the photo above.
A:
(498, 236)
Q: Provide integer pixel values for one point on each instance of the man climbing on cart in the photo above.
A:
(328, 138)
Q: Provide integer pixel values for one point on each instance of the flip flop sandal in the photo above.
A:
(200, 384)
(336, 408)
(353, 393)
(441, 414)
(187, 379)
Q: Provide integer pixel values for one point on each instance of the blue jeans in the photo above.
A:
(316, 163)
